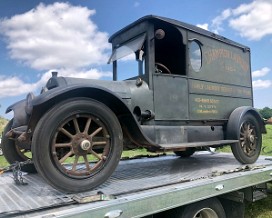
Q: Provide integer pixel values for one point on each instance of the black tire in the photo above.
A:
(13, 152)
(210, 208)
(248, 149)
(187, 153)
(78, 129)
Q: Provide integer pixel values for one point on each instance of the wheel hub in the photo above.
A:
(251, 138)
(248, 139)
(85, 145)
(81, 144)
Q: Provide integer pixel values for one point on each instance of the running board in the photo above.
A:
(196, 144)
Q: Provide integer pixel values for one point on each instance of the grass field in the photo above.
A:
(259, 209)
(262, 208)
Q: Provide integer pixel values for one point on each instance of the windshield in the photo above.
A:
(131, 57)
(127, 48)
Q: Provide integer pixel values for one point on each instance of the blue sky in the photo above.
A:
(71, 37)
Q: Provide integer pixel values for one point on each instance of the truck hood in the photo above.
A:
(121, 88)
(57, 85)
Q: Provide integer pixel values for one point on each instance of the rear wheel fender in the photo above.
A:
(246, 125)
(235, 120)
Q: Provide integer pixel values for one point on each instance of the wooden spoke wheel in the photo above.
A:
(77, 145)
(248, 149)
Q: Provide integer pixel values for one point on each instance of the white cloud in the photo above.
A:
(55, 36)
(252, 21)
(262, 84)
(204, 26)
(217, 21)
(14, 86)
(89, 74)
(260, 73)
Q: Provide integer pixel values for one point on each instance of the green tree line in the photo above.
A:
(266, 112)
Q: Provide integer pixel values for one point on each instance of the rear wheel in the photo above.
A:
(14, 153)
(248, 149)
(77, 145)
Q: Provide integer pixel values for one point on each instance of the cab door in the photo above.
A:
(170, 97)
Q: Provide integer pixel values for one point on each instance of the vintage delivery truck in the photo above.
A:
(189, 89)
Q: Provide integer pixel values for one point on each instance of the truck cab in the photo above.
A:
(192, 71)
(196, 80)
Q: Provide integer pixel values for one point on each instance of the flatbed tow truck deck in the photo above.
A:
(139, 187)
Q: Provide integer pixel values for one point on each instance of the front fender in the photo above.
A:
(20, 115)
(43, 103)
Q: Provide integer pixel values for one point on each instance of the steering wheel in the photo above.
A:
(162, 68)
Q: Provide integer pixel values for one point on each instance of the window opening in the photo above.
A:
(169, 50)
(195, 55)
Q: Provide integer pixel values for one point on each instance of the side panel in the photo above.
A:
(221, 62)
(210, 100)
(211, 88)
(214, 107)
(223, 81)
(170, 97)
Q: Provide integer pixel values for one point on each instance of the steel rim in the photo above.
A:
(248, 138)
(206, 213)
(81, 146)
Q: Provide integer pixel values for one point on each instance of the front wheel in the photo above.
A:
(248, 149)
(77, 145)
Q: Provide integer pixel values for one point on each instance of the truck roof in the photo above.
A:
(154, 19)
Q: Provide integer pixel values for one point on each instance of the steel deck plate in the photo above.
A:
(131, 177)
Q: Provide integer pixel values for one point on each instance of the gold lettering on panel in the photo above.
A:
(220, 53)
(206, 105)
